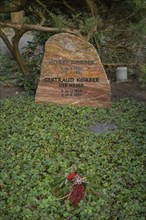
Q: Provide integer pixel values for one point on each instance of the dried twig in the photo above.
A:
(40, 16)
(44, 7)
(64, 197)
(68, 6)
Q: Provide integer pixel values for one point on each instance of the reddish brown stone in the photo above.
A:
(72, 73)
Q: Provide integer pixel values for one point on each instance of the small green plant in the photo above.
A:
(41, 37)
(142, 78)
(89, 24)
(9, 70)
(10, 73)
(33, 57)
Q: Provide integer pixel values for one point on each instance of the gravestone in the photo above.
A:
(72, 73)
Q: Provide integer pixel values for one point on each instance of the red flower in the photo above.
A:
(71, 176)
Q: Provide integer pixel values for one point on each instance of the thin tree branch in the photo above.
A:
(68, 6)
(28, 27)
(39, 15)
(93, 7)
(44, 7)
(14, 48)
(15, 42)
(8, 9)
(6, 41)
(129, 16)
(14, 3)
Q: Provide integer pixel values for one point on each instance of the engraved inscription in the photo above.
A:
(70, 62)
(71, 82)
(72, 73)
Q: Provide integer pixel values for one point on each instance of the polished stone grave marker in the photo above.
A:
(72, 73)
(102, 127)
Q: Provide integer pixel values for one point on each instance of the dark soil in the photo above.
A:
(130, 90)
(7, 91)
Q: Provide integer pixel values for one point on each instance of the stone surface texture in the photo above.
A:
(72, 73)
(102, 127)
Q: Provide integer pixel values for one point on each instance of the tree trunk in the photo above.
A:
(15, 42)
(14, 49)
(7, 42)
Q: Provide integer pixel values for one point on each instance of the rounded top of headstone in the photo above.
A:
(70, 43)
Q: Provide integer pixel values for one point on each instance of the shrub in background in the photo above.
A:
(142, 77)
(10, 73)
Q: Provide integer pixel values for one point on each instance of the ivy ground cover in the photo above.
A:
(42, 144)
